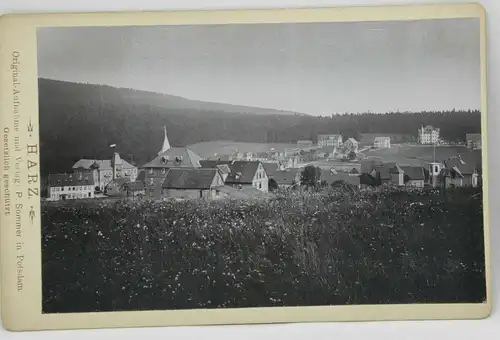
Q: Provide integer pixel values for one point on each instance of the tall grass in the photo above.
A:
(292, 250)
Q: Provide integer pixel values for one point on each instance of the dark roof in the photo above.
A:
(242, 172)
(285, 177)
(175, 157)
(224, 168)
(330, 178)
(385, 169)
(396, 169)
(189, 178)
(134, 186)
(212, 164)
(270, 168)
(414, 173)
(71, 179)
(367, 166)
(141, 176)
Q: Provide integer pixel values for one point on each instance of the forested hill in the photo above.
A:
(82, 120)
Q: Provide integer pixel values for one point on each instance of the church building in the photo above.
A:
(168, 157)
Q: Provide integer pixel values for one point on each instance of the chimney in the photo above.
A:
(116, 164)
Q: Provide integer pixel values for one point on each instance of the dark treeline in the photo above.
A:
(78, 121)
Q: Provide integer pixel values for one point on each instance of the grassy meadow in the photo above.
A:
(423, 154)
(321, 248)
(209, 149)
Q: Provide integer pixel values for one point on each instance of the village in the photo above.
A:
(179, 173)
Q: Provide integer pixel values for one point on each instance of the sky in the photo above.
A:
(313, 68)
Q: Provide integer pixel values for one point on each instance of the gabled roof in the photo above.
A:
(352, 140)
(456, 171)
(271, 168)
(367, 165)
(101, 164)
(71, 179)
(242, 172)
(385, 169)
(224, 168)
(414, 173)
(178, 157)
(396, 169)
(179, 178)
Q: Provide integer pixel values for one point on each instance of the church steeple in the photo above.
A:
(166, 144)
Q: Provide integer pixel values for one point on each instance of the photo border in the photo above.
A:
(22, 310)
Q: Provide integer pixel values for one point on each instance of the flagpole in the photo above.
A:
(434, 150)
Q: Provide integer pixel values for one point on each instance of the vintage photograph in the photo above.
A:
(261, 165)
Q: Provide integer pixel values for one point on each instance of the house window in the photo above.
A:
(260, 185)
(151, 181)
(163, 171)
(90, 194)
(150, 171)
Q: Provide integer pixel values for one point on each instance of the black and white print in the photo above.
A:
(261, 165)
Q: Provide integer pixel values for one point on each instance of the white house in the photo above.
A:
(382, 142)
(67, 186)
(351, 145)
(329, 140)
(242, 174)
(248, 174)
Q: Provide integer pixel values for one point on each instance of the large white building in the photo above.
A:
(104, 171)
(330, 140)
(428, 135)
(382, 142)
(69, 186)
